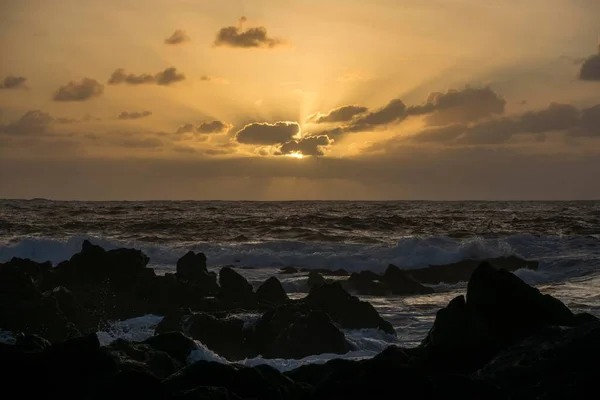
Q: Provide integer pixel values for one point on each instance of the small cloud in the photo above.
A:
(590, 69)
(178, 37)
(33, 122)
(256, 37)
(13, 82)
(187, 128)
(134, 115)
(214, 79)
(79, 91)
(213, 127)
(340, 114)
(164, 78)
(184, 149)
(262, 133)
(308, 146)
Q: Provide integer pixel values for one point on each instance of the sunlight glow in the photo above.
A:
(295, 154)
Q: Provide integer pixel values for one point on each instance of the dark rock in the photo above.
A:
(271, 292)
(72, 310)
(172, 322)
(401, 283)
(303, 336)
(192, 268)
(143, 358)
(174, 344)
(142, 384)
(327, 272)
(208, 393)
(500, 311)
(346, 310)
(234, 287)
(288, 270)
(316, 374)
(34, 269)
(201, 373)
(461, 271)
(367, 283)
(224, 336)
(315, 279)
(555, 363)
(29, 342)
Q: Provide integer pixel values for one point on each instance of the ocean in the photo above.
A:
(261, 237)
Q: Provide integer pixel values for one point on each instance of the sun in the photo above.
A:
(296, 154)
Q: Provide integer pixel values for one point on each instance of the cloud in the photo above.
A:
(268, 134)
(308, 146)
(34, 122)
(178, 37)
(257, 37)
(187, 128)
(555, 118)
(213, 127)
(590, 69)
(79, 91)
(460, 106)
(138, 143)
(340, 114)
(134, 114)
(13, 82)
(164, 78)
(394, 111)
(214, 79)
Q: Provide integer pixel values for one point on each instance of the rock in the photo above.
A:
(367, 283)
(307, 335)
(27, 342)
(315, 279)
(555, 363)
(192, 268)
(271, 292)
(72, 310)
(142, 357)
(226, 336)
(327, 272)
(500, 310)
(208, 393)
(175, 344)
(34, 269)
(144, 385)
(234, 287)
(461, 271)
(346, 310)
(172, 322)
(201, 373)
(401, 283)
(288, 270)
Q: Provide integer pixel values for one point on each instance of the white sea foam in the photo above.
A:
(135, 329)
(7, 337)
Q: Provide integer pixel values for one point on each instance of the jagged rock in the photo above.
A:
(234, 287)
(71, 309)
(224, 336)
(288, 270)
(175, 344)
(172, 322)
(346, 310)
(30, 342)
(192, 268)
(271, 292)
(500, 310)
(141, 357)
(461, 271)
(401, 283)
(34, 269)
(315, 279)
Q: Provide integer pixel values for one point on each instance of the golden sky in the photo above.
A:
(299, 99)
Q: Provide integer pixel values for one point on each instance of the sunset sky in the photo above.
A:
(300, 99)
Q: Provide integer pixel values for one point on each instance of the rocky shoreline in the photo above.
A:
(503, 340)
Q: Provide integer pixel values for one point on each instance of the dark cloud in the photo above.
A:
(34, 122)
(555, 118)
(213, 127)
(79, 91)
(394, 111)
(308, 146)
(134, 114)
(178, 37)
(257, 37)
(590, 69)
(268, 134)
(187, 128)
(13, 82)
(460, 106)
(166, 77)
(340, 114)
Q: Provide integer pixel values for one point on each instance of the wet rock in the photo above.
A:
(346, 310)
(271, 292)
(234, 287)
(142, 357)
(288, 270)
(34, 269)
(192, 268)
(28, 342)
(401, 283)
(461, 271)
(367, 283)
(224, 336)
(175, 344)
(499, 311)
(172, 322)
(315, 279)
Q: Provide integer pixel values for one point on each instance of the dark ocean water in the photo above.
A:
(264, 236)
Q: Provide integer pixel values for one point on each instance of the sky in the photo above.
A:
(300, 99)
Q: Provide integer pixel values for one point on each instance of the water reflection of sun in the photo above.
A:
(295, 154)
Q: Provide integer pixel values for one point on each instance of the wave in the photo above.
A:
(575, 253)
